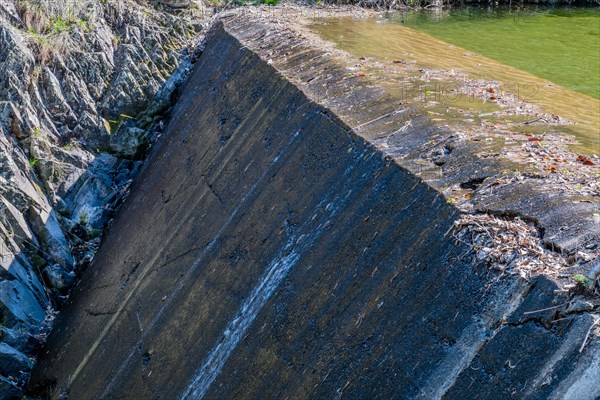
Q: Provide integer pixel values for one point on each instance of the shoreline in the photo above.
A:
(544, 158)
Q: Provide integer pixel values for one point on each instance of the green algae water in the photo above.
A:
(561, 45)
(536, 73)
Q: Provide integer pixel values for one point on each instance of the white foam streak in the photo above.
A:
(237, 328)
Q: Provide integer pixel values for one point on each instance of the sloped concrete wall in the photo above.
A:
(268, 251)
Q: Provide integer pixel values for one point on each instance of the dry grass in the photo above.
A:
(50, 24)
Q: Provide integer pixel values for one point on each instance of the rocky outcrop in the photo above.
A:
(83, 94)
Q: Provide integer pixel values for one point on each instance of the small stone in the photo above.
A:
(579, 306)
(59, 277)
(129, 142)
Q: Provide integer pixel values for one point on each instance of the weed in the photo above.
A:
(59, 25)
(114, 124)
(583, 280)
(36, 72)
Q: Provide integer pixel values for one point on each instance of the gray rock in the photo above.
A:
(8, 390)
(177, 3)
(60, 164)
(19, 337)
(12, 361)
(86, 201)
(45, 224)
(59, 277)
(129, 142)
(19, 304)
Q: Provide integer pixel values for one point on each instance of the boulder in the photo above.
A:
(13, 362)
(8, 390)
(129, 142)
(59, 277)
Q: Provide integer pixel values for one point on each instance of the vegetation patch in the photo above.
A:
(50, 24)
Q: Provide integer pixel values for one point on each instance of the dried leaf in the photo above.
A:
(584, 160)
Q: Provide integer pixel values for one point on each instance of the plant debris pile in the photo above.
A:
(514, 247)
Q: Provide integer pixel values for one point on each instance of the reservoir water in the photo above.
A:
(547, 57)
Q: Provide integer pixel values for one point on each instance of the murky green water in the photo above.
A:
(494, 47)
(561, 45)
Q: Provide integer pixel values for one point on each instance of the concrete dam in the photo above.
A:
(289, 238)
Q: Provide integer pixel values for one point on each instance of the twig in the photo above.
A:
(534, 120)
(587, 335)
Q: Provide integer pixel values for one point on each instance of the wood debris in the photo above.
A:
(508, 246)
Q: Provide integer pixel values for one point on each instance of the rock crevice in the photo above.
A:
(84, 92)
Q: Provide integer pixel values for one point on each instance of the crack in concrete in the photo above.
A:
(98, 313)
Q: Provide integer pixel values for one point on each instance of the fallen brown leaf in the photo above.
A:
(584, 160)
